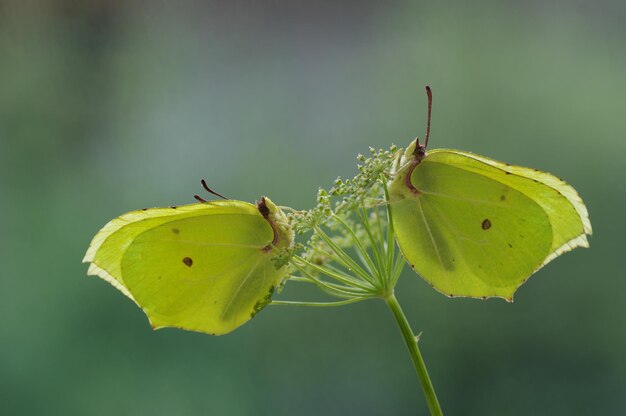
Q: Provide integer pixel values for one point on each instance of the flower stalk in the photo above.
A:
(351, 253)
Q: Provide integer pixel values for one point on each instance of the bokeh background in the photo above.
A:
(109, 106)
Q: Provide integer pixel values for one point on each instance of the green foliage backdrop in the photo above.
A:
(111, 106)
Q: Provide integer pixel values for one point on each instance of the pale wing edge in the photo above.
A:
(546, 178)
(94, 270)
(131, 217)
(579, 241)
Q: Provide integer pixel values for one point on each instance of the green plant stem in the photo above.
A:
(416, 356)
(315, 304)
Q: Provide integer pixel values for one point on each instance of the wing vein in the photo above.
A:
(243, 282)
(430, 234)
(199, 243)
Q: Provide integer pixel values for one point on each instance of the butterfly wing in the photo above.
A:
(472, 228)
(202, 267)
(109, 244)
(570, 229)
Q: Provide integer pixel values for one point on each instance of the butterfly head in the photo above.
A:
(411, 156)
(400, 185)
(283, 233)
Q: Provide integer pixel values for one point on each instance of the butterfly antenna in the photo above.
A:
(209, 190)
(420, 150)
(429, 93)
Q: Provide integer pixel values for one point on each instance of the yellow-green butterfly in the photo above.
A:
(203, 267)
(472, 226)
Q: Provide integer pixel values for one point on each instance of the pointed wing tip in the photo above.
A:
(578, 241)
(156, 325)
(88, 257)
(94, 270)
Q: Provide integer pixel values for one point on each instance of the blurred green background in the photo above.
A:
(109, 106)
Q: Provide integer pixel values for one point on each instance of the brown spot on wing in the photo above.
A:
(486, 224)
(188, 261)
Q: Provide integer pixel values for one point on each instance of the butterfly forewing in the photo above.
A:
(568, 215)
(467, 233)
